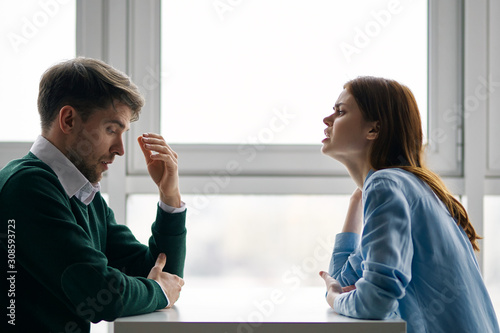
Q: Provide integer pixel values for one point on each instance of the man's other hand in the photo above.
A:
(170, 283)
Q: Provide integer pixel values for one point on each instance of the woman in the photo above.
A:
(407, 245)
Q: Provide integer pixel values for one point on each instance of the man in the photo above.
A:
(68, 262)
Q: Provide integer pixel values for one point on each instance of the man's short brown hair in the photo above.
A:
(87, 85)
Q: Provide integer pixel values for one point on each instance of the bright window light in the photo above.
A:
(232, 70)
(36, 35)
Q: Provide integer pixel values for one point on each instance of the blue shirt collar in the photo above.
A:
(371, 172)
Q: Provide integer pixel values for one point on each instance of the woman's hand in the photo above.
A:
(348, 288)
(354, 217)
(333, 288)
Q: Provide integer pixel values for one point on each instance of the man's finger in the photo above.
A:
(161, 261)
(146, 152)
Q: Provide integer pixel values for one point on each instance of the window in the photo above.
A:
(37, 35)
(268, 72)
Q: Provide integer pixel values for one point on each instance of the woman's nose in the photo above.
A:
(328, 121)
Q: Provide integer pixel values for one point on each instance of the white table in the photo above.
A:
(259, 310)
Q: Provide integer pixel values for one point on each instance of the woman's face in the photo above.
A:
(348, 135)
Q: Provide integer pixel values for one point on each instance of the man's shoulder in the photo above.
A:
(23, 170)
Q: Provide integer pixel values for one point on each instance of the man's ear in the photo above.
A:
(67, 119)
(374, 130)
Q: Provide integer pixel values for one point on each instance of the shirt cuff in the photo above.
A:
(164, 293)
(337, 303)
(169, 209)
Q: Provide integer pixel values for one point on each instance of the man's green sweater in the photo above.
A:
(73, 264)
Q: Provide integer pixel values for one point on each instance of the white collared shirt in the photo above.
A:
(72, 180)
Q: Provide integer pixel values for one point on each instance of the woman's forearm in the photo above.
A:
(354, 217)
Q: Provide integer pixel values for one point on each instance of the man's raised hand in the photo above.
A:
(162, 167)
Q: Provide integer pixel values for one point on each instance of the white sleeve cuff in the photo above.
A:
(169, 209)
(164, 293)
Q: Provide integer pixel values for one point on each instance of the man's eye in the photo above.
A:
(110, 131)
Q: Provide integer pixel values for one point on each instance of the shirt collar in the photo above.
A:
(72, 180)
(369, 174)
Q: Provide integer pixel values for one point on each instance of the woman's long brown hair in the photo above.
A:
(400, 141)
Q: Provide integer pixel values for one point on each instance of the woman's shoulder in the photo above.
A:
(392, 174)
(395, 178)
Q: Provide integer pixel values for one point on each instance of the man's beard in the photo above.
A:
(89, 171)
(76, 156)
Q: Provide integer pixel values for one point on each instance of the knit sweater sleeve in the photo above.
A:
(53, 247)
(126, 253)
